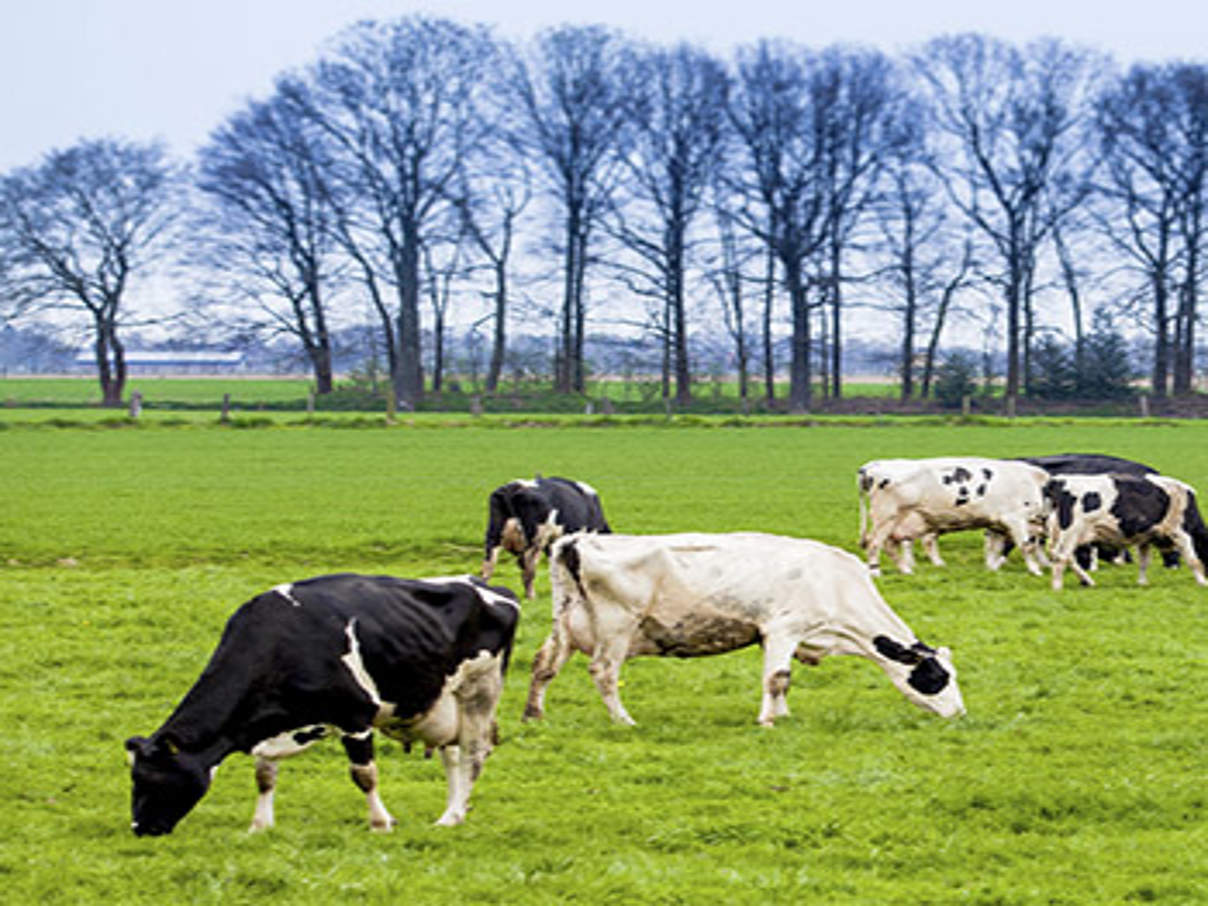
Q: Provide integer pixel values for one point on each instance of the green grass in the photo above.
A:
(1077, 776)
(259, 393)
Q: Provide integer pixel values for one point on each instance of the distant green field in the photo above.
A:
(250, 393)
(1077, 776)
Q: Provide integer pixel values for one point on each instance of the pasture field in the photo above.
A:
(1077, 777)
(277, 392)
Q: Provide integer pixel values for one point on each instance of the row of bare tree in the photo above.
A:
(418, 163)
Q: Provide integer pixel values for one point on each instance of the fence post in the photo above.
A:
(310, 403)
(966, 405)
(136, 404)
(225, 417)
(1010, 407)
(1144, 405)
(391, 403)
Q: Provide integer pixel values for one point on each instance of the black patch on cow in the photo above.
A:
(963, 499)
(1193, 525)
(884, 483)
(1139, 505)
(570, 559)
(987, 473)
(929, 677)
(1091, 501)
(981, 489)
(303, 737)
(896, 651)
(961, 474)
(1062, 501)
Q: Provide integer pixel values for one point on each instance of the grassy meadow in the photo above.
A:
(1076, 777)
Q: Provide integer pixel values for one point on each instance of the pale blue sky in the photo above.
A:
(171, 69)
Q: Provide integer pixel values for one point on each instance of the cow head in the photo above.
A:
(167, 784)
(931, 681)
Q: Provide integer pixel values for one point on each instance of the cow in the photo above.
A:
(1124, 511)
(347, 654)
(1089, 464)
(686, 595)
(904, 499)
(525, 517)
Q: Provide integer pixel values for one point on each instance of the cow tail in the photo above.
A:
(862, 494)
(498, 513)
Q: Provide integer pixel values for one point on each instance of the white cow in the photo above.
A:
(904, 499)
(621, 596)
(1124, 510)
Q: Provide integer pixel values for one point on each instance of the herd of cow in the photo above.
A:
(423, 660)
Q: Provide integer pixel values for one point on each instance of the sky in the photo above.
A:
(173, 70)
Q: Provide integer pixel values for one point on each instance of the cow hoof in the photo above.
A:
(450, 819)
(531, 713)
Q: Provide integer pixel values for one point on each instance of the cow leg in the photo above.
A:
(477, 699)
(1143, 563)
(489, 563)
(995, 549)
(528, 567)
(931, 545)
(455, 803)
(1063, 555)
(266, 784)
(605, 669)
(1027, 545)
(364, 773)
(905, 557)
(777, 659)
(549, 660)
(1185, 546)
(880, 536)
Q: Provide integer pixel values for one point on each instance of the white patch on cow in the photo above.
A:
(587, 489)
(547, 531)
(286, 590)
(485, 594)
(525, 482)
(356, 666)
(283, 745)
(441, 724)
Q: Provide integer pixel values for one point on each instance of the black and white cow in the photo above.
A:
(1124, 511)
(904, 499)
(688, 595)
(417, 659)
(524, 518)
(1092, 464)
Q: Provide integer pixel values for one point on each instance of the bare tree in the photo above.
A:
(1008, 120)
(677, 116)
(398, 103)
(572, 93)
(774, 111)
(269, 223)
(855, 93)
(79, 227)
(1142, 153)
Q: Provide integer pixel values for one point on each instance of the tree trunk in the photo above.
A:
(800, 391)
(769, 359)
(499, 341)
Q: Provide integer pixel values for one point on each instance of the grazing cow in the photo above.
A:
(1124, 510)
(526, 516)
(904, 499)
(1090, 464)
(348, 654)
(621, 596)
